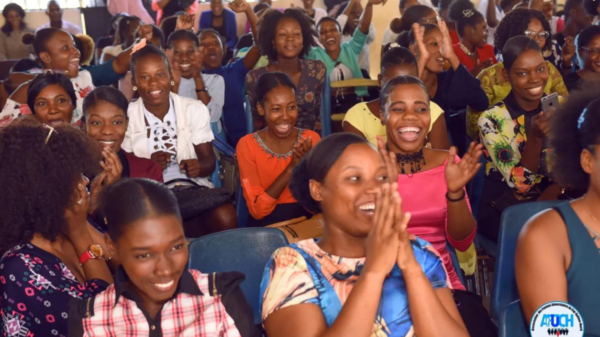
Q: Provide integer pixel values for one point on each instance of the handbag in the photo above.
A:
(194, 199)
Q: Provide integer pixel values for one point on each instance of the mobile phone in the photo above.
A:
(549, 102)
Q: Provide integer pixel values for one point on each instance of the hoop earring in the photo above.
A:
(134, 88)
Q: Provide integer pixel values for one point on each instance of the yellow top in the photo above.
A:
(360, 117)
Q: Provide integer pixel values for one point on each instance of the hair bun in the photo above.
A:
(27, 38)
(461, 9)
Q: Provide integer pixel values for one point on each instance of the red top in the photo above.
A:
(142, 168)
(454, 36)
(485, 53)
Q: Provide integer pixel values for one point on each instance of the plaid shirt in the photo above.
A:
(196, 309)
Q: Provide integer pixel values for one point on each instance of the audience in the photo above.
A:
(55, 13)
(341, 58)
(267, 157)
(454, 89)
(557, 253)
(514, 133)
(588, 42)
(367, 275)
(51, 98)
(286, 38)
(389, 193)
(11, 44)
(153, 287)
(187, 65)
(55, 50)
(50, 252)
(494, 79)
(234, 74)
(222, 21)
(348, 17)
(365, 119)
(174, 131)
(166, 8)
(434, 191)
(126, 31)
(473, 51)
(106, 121)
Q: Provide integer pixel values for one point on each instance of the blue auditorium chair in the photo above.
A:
(505, 285)
(246, 250)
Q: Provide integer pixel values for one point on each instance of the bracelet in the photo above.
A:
(201, 90)
(462, 197)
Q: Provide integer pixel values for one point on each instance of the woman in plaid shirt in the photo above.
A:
(154, 294)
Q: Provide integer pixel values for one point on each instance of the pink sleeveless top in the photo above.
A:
(424, 196)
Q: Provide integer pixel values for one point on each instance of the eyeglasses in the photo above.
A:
(591, 51)
(541, 35)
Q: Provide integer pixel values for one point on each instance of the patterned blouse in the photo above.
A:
(502, 131)
(496, 87)
(303, 273)
(308, 94)
(36, 289)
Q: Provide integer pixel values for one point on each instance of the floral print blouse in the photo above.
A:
(496, 88)
(308, 94)
(502, 131)
(36, 289)
(303, 273)
(83, 86)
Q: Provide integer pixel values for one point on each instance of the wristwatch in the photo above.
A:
(93, 252)
(202, 90)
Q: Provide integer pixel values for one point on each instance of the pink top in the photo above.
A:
(424, 196)
(131, 7)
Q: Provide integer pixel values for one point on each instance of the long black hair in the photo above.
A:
(316, 166)
(7, 28)
(129, 200)
(41, 81)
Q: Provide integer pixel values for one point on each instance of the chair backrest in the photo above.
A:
(249, 120)
(513, 219)
(355, 82)
(512, 321)
(246, 250)
(326, 109)
(241, 208)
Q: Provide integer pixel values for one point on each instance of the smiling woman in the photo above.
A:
(51, 98)
(514, 134)
(153, 289)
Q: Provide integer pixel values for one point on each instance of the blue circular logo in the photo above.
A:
(556, 319)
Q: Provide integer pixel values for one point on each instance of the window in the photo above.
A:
(42, 4)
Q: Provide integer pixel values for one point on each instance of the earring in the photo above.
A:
(173, 83)
(134, 88)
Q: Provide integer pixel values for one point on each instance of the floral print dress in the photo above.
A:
(308, 94)
(82, 84)
(36, 289)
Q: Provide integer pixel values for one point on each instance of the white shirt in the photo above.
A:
(363, 58)
(66, 26)
(215, 85)
(112, 50)
(192, 122)
(389, 37)
(482, 8)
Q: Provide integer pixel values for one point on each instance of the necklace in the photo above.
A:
(466, 50)
(413, 159)
(596, 235)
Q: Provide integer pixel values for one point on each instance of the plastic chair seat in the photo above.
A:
(246, 250)
(512, 321)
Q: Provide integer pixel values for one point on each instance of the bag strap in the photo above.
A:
(222, 146)
(330, 303)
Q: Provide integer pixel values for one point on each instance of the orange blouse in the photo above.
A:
(259, 168)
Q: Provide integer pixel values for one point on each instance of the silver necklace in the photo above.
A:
(466, 50)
